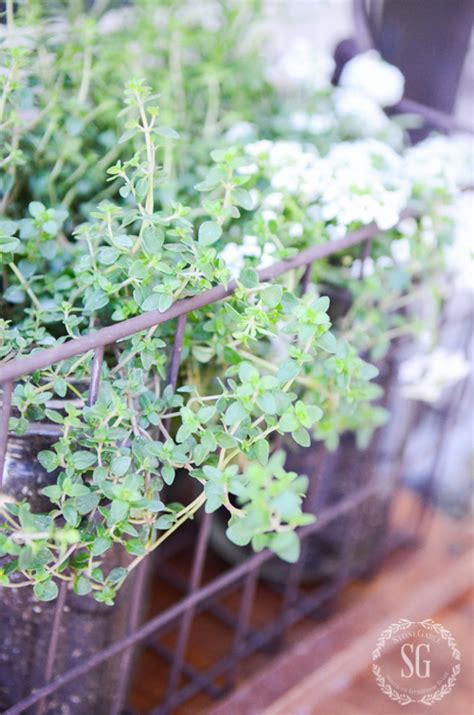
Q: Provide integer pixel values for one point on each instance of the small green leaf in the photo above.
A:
(118, 511)
(165, 302)
(46, 590)
(120, 465)
(243, 198)
(82, 586)
(236, 412)
(100, 545)
(95, 300)
(209, 233)
(301, 437)
(83, 460)
(249, 278)
(48, 460)
(117, 574)
(271, 296)
(286, 545)
(70, 514)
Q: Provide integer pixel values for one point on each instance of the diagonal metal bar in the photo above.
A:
(118, 331)
(7, 392)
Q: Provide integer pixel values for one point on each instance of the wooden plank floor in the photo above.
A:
(325, 668)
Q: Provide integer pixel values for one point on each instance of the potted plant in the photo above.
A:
(270, 363)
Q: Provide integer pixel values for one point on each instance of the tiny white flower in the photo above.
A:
(401, 250)
(239, 131)
(115, 20)
(384, 262)
(368, 269)
(247, 169)
(258, 148)
(408, 227)
(302, 66)
(255, 196)
(273, 200)
(425, 376)
(268, 215)
(295, 230)
(299, 121)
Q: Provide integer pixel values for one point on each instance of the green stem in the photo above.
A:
(25, 285)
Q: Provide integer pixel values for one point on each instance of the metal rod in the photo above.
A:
(7, 392)
(185, 625)
(363, 32)
(203, 682)
(110, 334)
(439, 120)
(243, 623)
(133, 621)
(53, 641)
(95, 374)
(177, 347)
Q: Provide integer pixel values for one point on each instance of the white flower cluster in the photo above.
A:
(234, 254)
(441, 162)
(460, 254)
(425, 376)
(357, 182)
(302, 66)
(400, 254)
(369, 75)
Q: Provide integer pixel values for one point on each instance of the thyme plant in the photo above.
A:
(180, 212)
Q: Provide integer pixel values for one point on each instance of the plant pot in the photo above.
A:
(85, 626)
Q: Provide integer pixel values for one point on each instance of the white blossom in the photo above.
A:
(248, 169)
(425, 376)
(234, 255)
(239, 131)
(460, 254)
(302, 66)
(359, 115)
(115, 20)
(274, 200)
(400, 250)
(370, 75)
(295, 230)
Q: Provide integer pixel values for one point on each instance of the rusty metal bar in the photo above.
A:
(112, 333)
(201, 679)
(133, 621)
(53, 641)
(438, 119)
(185, 625)
(7, 392)
(261, 639)
(177, 348)
(243, 623)
(95, 374)
(363, 33)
